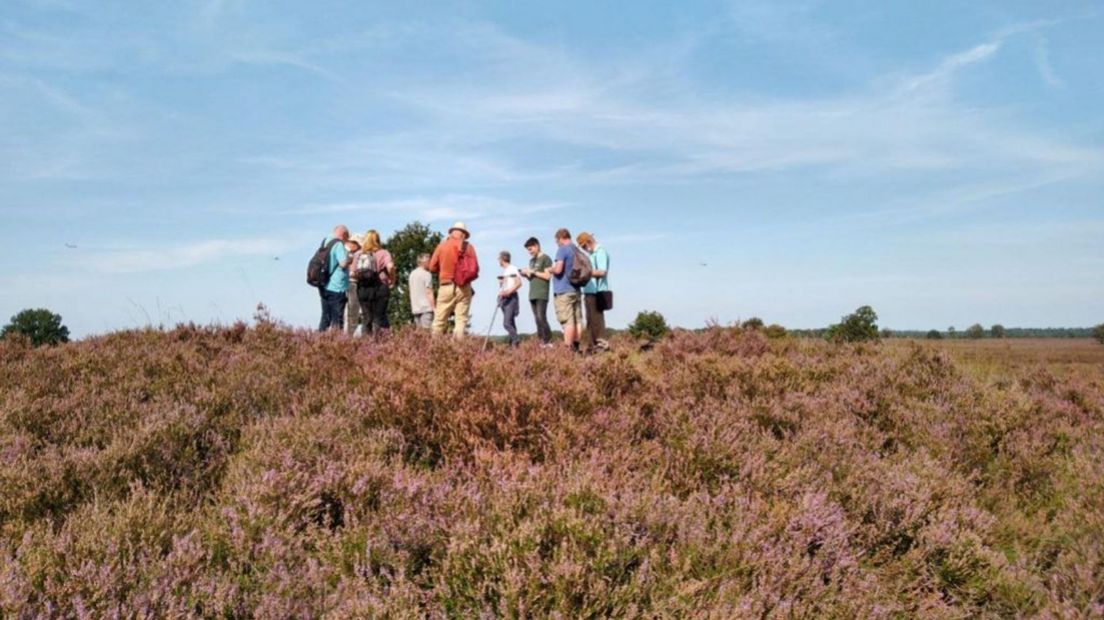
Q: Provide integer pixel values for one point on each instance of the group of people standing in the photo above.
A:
(362, 274)
(358, 281)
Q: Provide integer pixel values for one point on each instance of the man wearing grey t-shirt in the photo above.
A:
(420, 285)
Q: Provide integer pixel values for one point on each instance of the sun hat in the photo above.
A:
(462, 228)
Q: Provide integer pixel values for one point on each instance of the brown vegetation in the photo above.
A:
(268, 473)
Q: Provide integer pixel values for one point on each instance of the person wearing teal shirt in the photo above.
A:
(599, 283)
(334, 294)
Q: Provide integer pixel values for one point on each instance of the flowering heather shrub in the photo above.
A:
(262, 472)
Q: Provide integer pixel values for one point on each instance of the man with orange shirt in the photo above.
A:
(453, 261)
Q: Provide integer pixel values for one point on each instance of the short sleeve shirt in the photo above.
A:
(339, 276)
(384, 263)
(538, 288)
(420, 282)
(510, 276)
(599, 259)
(561, 284)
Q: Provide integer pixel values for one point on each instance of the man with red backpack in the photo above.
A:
(456, 265)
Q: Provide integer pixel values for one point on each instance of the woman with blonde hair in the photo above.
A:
(374, 271)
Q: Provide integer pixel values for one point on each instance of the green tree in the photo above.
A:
(40, 325)
(405, 245)
(753, 324)
(649, 324)
(975, 332)
(997, 331)
(1098, 333)
(859, 326)
(952, 332)
(934, 334)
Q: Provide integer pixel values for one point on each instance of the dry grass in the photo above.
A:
(1062, 356)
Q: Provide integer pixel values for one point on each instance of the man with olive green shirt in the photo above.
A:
(539, 276)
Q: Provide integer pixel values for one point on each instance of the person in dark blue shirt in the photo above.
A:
(568, 300)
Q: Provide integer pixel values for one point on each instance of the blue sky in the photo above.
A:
(940, 161)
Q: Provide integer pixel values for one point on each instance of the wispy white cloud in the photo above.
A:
(289, 59)
(1042, 63)
(151, 258)
(586, 122)
(1027, 233)
(449, 206)
(951, 65)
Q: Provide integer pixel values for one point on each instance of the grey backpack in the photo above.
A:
(582, 270)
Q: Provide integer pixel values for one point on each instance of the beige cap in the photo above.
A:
(462, 228)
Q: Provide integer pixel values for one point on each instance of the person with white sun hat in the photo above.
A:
(456, 265)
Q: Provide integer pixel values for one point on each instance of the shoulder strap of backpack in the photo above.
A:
(329, 251)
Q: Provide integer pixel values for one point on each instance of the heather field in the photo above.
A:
(263, 472)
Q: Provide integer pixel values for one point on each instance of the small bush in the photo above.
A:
(934, 334)
(975, 331)
(649, 324)
(775, 331)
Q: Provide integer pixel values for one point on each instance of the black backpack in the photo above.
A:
(318, 269)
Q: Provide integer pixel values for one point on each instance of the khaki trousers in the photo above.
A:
(352, 309)
(452, 299)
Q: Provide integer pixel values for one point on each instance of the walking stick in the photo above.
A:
(487, 338)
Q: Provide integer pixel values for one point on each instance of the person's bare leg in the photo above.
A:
(571, 336)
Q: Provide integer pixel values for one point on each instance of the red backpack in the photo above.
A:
(467, 267)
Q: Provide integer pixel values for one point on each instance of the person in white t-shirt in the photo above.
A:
(508, 285)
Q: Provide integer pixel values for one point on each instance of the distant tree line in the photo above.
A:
(860, 325)
(976, 331)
